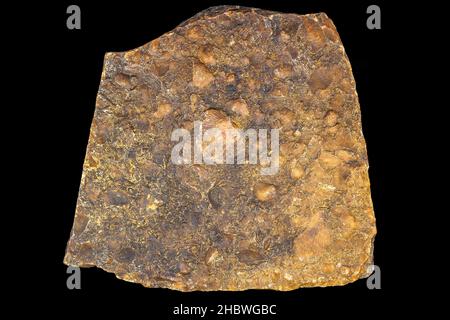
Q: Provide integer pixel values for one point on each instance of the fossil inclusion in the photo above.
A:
(197, 226)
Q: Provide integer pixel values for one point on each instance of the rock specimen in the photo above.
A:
(196, 226)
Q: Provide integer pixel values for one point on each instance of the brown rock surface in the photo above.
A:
(227, 227)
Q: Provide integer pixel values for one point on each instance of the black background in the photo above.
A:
(70, 69)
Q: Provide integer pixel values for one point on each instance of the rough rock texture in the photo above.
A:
(227, 227)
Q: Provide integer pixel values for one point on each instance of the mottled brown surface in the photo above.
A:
(227, 227)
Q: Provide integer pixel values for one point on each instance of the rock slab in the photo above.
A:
(227, 227)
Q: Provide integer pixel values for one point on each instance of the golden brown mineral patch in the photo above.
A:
(196, 226)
